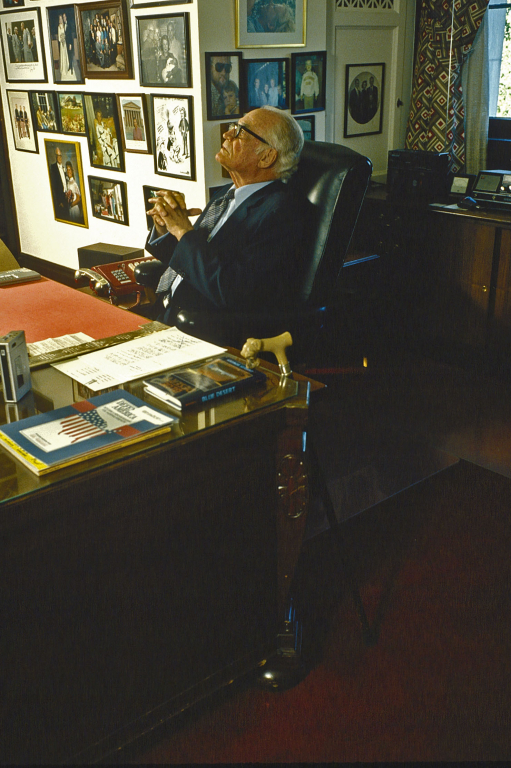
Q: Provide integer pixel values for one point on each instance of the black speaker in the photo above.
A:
(416, 176)
(106, 253)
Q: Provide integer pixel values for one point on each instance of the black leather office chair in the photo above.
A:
(335, 179)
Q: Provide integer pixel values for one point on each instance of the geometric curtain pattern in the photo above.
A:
(367, 5)
(446, 34)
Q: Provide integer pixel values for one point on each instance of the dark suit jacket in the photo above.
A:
(252, 262)
(58, 194)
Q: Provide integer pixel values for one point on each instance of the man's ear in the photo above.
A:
(268, 157)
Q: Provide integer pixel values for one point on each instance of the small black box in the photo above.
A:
(106, 253)
(417, 176)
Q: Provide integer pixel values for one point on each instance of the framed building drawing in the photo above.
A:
(109, 200)
(23, 131)
(164, 50)
(266, 24)
(65, 173)
(105, 40)
(363, 106)
(173, 136)
(134, 122)
(66, 59)
(22, 46)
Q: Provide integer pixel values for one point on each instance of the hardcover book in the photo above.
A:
(83, 430)
(202, 382)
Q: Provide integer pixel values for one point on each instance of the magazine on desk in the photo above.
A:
(202, 382)
(83, 430)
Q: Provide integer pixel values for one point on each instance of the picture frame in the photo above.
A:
(174, 153)
(266, 82)
(149, 192)
(69, 205)
(105, 41)
(153, 3)
(9, 4)
(262, 24)
(45, 111)
(72, 113)
(223, 85)
(103, 131)
(22, 121)
(164, 50)
(308, 82)
(66, 51)
(109, 200)
(308, 125)
(134, 122)
(363, 105)
(24, 60)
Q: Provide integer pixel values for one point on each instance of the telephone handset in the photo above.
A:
(115, 280)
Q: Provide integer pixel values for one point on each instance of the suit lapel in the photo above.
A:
(242, 212)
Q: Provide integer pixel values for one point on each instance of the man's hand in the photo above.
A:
(170, 214)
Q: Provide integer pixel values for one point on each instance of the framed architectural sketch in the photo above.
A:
(266, 24)
(308, 125)
(65, 173)
(363, 112)
(164, 50)
(223, 73)
(134, 122)
(71, 113)
(22, 46)
(308, 82)
(105, 40)
(45, 110)
(266, 82)
(23, 131)
(109, 201)
(103, 132)
(66, 53)
(173, 136)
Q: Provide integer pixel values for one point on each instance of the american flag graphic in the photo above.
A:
(84, 426)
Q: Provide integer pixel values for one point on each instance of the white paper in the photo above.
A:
(60, 342)
(137, 358)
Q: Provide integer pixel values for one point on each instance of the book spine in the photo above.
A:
(25, 456)
(210, 397)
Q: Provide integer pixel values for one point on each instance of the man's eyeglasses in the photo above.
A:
(220, 67)
(239, 127)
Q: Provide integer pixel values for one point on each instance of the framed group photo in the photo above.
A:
(266, 24)
(308, 82)
(135, 125)
(45, 110)
(22, 46)
(13, 3)
(173, 136)
(108, 199)
(223, 85)
(266, 83)
(65, 173)
(363, 113)
(103, 134)
(23, 131)
(105, 40)
(64, 44)
(71, 113)
(164, 50)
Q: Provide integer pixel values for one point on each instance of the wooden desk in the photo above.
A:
(134, 584)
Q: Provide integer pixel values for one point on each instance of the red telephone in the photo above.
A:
(115, 280)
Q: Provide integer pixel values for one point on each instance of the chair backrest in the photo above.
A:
(335, 179)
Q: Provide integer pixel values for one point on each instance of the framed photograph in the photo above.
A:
(135, 125)
(308, 77)
(308, 125)
(65, 173)
(363, 113)
(13, 3)
(266, 82)
(22, 46)
(105, 40)
(65, 48)
(71, 113)
(173, 136)
(148, 193)
(223, 72)
(109, 200)
(152, 3)
(266, 24)
(45, 111)
(103, 133)
(23, 131)
(164, 50)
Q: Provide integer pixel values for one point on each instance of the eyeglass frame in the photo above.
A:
(239, 127)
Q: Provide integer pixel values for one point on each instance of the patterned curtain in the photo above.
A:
(446, 33)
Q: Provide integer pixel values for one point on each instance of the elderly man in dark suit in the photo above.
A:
(249, 258)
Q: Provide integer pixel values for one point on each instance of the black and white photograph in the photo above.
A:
(134, 122)
(270, 23)
(46, 113)
(108, 200)
(308, 78)
(266, 83)
(173, 136)
(363, 114)
(105, 40)
(164, 50)
(71, 113)
(65, 173)
(23, 132)
(102, 123)
(22, 46)
(308, 125)
(64, 44)
(223, 85)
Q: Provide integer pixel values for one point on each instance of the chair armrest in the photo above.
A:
(148, 273)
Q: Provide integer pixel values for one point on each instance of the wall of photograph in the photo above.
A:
(104, 101)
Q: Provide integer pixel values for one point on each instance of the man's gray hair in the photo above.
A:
(286, 137)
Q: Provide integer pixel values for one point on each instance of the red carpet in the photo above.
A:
(435, 572)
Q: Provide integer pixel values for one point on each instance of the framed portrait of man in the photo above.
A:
(174, 153)
(109, 201)
(134, 122)
(66, 59)
(266, 83)
(223, 85)
(103, 132)
(65, 173)
(71, 113)
(22, 46)
(271, 23)
(105, 40)
(164, 50)
(308, 82)
(363, 112)
(23, 131)
(45, 110)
